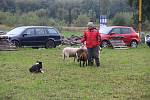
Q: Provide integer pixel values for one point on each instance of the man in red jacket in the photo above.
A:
(92, 38)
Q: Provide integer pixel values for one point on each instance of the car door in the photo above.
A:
(28, 37)
(114, 33)
(126, 33)
(52, 33)
(40, 36)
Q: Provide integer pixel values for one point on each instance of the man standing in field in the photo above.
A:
(92, 38)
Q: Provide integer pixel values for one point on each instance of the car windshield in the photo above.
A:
(16, 31)
(105, 30)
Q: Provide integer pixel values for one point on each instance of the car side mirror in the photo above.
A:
(24, 34)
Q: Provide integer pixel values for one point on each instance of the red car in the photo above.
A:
(128, 34)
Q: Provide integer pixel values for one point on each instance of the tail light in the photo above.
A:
(138, 34)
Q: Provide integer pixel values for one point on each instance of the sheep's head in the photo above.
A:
(83, 46)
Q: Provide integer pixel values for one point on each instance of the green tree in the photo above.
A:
(105, 7)
(29, 18)
(27, 5)
(70, 6)
(122, 19)
(42, 13)
(8, 5)
(82, 20)
(145, 8)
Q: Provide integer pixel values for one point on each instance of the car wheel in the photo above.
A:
(133, 44)
(16, 43)
(50, 44)
(105, 44)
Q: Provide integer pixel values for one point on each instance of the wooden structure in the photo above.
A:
(118, 43)
(5, 45)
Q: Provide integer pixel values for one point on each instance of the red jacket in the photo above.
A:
(91, 37)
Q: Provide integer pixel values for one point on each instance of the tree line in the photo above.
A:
(66, 12)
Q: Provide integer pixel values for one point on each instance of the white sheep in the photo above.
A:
(71, 52)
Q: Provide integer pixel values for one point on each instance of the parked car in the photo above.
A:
(147, 39)
(2, 32)
(35, 36)
(128, 35)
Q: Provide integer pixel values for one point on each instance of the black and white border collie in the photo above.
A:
(37, 68)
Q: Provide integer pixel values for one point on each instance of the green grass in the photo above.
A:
(68, 33)
(123, 75)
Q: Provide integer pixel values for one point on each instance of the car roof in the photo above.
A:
(34, 27)
(1, 31)
(119, 27)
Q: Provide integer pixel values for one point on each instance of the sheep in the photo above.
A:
(83, 47)
(82, 55)
(71, 52)
(79, 51)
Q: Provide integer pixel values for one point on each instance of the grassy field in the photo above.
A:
(123, 75)
(68, 33)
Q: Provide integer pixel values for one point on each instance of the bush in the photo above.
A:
(82, 20)
(29, 19)
(146, 25)
(2, 17)
(122, 19)
(11, 20)
(7, 18)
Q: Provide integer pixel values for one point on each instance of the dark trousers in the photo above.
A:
(93, 53)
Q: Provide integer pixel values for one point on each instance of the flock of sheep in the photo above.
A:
(80, 54)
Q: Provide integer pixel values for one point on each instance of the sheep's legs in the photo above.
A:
(77, 57)
(80, 63)
(83, 63)
(64, 56)
(74, 58)
(86, 63)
